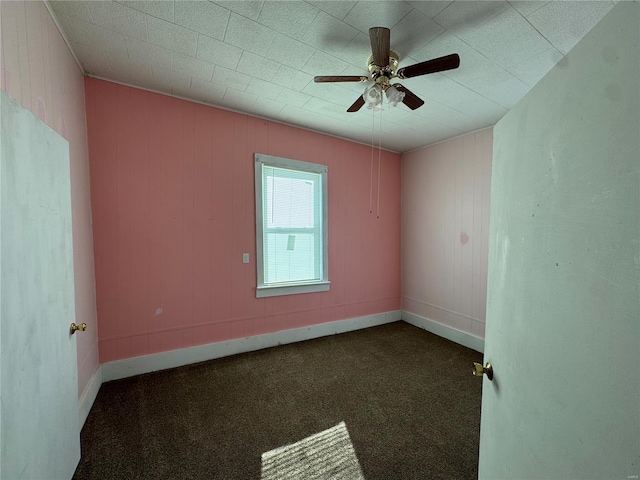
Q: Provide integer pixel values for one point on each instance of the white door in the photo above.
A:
(563, 314)
(39, 390)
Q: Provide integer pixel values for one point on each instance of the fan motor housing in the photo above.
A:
(382, 74)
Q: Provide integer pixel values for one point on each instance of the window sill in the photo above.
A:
(292, 289)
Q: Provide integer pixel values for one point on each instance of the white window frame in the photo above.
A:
(296, 287)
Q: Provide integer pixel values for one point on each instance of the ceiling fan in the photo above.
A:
(383, 67)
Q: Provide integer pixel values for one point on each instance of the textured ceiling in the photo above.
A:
(260, 57)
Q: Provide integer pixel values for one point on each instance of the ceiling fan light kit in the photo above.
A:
(394, 96)
(373, 97)
(383, 67)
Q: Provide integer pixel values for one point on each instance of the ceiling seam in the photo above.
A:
(403, 17)
(488, 60)
(350, 10)
(260, 12)
(145, 13)
(226, 28)
(93, 20)
(534, 27)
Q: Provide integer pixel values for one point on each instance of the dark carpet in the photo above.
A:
(410, 403)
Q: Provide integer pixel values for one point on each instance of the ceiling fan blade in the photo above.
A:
(380, 45)
(340, 78)
(410, 99)
(357, 105)
(448, 62)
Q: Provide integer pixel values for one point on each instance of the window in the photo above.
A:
(291, 226)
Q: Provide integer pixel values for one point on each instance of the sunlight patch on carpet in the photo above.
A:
(328, 455)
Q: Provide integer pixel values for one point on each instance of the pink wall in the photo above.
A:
(445, 231)
(40, 73)
(173, 203)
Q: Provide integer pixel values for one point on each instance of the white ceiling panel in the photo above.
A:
(462, 16)
(565, 23)
(120, 18)
(133, 73)
(338, 9)
(418, 123)
(157, 8)
(291, 78)
(290, 18)
(266, 107)
(333, 93)
(249, 35)
(527, 7)
(191, 67)
(230, 78)
(507, 39)
(260, 57)
(365, 15)
(500, 86)
(474, 62)
(459, 97)
(148, 53)
(217, 52)
(203, 17)
(257, 66)
(247, 8)
(293, 98)
(263, 89)
(325, 108)
(449, 117)
(171, 36)
(356, 54)
(94, 60)
(99, 37)
(480, 75)
(171, 81)
(239, 100)
(413, 32)
(202, 91)
(430, 9)
(76, 9)
(322, 63)
(297, 116)
(533, 69)
(289, 52)
(329, 34)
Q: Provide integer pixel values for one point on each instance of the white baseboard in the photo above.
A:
(176, 358)
(89, 395)
(445, 331)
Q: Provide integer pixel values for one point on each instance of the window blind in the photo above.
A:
(292, 225)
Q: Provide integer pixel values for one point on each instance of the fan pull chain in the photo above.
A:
(379, 158)
(373, 134)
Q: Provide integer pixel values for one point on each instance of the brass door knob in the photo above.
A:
(82, 327)
(479, 370)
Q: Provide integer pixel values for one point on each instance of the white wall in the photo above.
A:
(445, 225)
